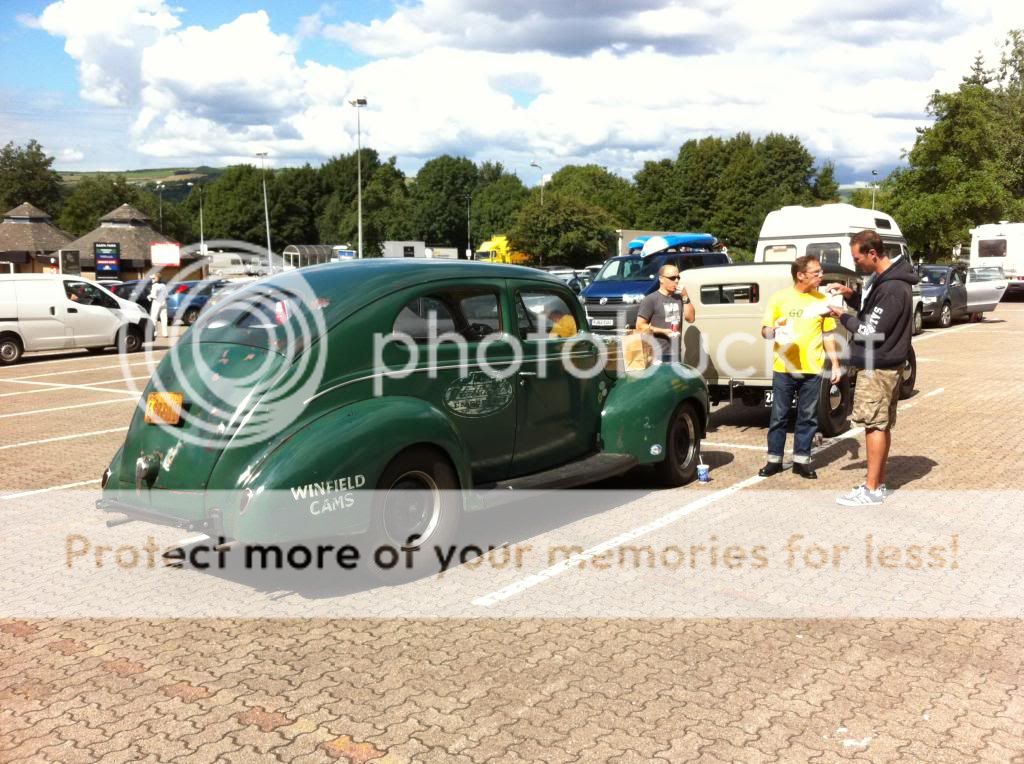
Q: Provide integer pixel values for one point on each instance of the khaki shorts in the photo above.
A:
(875, 398)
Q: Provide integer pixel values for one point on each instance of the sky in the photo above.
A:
(132, 84)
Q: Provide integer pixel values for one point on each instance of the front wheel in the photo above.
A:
(908, 376)
(129, 340)
(417, 510)
(918, 321)
(834, 404)
(682, 448)
(946, 316)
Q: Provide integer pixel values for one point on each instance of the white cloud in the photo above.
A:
(613, 82)
(70, 156)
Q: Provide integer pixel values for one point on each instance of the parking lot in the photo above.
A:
(545, 646)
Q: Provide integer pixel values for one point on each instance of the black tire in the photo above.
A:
(190, 317)
(416, 514)
(918, 321)
(129, 339)
(11, 349)
(945, 315)
(909, 376)
(834, 406)
(682, 447)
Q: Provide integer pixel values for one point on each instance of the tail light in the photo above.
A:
(280, 312)
(181, 289)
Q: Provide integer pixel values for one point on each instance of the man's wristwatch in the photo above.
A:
(685, 301)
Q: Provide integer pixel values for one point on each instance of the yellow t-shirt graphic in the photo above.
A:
(803, 352)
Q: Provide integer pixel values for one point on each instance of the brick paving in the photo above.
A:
(480, 689)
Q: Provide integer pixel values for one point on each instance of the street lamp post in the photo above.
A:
(266, 211)
(202, 241)
(534, 164)
(359, 103)
(469, 230)
(873, 187)
(160, 190)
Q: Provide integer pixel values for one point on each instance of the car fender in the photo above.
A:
(284, 492)
(636, 413)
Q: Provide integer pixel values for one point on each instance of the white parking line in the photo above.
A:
(489, 600)
(68, 408)
(943, 333)
(10, 496)
(76, 371)
(62, 437)
(51, 386)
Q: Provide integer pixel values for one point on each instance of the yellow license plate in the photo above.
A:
(164, 408)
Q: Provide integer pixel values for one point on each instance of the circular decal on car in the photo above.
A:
(477, 395)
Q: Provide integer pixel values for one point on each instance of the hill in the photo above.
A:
(168, 175)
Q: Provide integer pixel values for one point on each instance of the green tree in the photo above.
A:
(294, 197)
(596, 186)
(26, 175)
(659, 200)
(96, 195)
(563, 231)
(438, 200)
(232, 206)
(496, 203)
(826, 187)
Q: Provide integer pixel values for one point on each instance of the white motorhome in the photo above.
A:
(53, 312)
(825, 231)
(1000, 245)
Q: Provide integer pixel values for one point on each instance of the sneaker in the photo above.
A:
(861, 496)
(886, 492)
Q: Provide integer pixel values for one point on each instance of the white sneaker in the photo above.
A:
(886, 492)
(861, 496)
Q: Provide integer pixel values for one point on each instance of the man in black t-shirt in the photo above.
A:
(662, 312)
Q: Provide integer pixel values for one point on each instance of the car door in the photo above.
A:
(985, 288)
(91, 314)
(41, 314)
(957, 292)
(454, 339)
(558, 385)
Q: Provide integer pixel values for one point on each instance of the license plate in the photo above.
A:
(602, 322)
(769, 398)
(164, 408)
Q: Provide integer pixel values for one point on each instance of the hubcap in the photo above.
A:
(8, 351)
(412, 508)
(906, 371)
(835, 398)
(685, 440)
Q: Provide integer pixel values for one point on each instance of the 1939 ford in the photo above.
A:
(315, 403)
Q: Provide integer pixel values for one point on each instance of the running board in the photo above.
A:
(580, 472)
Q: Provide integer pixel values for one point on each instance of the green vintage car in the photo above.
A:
(275, 418)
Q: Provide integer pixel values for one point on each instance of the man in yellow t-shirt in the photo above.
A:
(798, 321)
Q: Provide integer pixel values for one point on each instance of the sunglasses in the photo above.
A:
(671, 278)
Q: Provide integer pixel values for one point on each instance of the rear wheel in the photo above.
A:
(682, 447)
(129, 339)
(834, 403)
(191, 316)
(908, 376)
(417, 510)
(946, 315)
(10, 349)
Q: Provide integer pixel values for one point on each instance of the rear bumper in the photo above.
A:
(213, 526)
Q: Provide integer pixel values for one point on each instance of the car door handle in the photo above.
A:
(53, 311)
(72, 310)
(1000, 287)
(527, 374)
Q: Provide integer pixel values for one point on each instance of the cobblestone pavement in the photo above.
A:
(479, 688)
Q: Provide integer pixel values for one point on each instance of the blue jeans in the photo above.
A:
(805, 387)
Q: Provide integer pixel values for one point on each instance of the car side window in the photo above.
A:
(86, 294)
(828, 253)
(544, 315)
(957, 279)
(423, 317)
(720, 294)
(483, 318)
(473, 314)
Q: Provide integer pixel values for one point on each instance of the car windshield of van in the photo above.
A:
(622, 269)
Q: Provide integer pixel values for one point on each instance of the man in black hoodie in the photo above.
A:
(879, 347)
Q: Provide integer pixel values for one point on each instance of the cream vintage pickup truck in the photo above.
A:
(725, 343)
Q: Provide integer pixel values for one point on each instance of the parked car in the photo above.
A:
(725, 341)
(53, 312)
(223, 293)
(1000, 244)
(185, 299)
(613, 298)
(447, 433)
(135, 290)
(947, 295)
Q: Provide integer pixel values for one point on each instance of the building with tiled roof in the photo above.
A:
(28, 237)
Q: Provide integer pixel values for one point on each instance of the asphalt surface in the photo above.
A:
(849, 641)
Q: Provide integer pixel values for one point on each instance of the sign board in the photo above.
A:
(165, 253)
(108, 258)
(70, 263)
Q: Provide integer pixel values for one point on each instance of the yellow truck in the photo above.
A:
(497, 250)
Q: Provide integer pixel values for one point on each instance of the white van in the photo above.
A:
(231, 264)
(1000, 245)
(825, 231)
(52, 312)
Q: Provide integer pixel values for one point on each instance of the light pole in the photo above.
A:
(202, 241)
(359, 103)
(873, 187)
(469, 230)
(534, 164)
(160, 190)
(266, 212)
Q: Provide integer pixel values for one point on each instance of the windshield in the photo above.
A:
(627, 269)
(936, 276)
